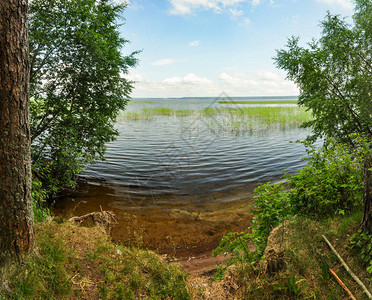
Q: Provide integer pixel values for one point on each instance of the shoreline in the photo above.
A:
(184, 232)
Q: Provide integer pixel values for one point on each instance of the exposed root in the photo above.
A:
(106, 219)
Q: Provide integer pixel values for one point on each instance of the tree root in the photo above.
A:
(106, 219)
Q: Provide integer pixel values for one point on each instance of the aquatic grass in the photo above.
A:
(235, 119)
(148, 114)
(257, 118)
(165, 111)
(135, 116)
(160, 111)
(260, 102)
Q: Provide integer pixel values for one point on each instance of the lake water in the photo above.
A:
(178, 181)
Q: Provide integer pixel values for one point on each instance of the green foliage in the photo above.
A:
(272, 207)
(76, 84)
(361, 243)
(307, 260)
(131, 272)
(334, 75)
(236, 245)
(292, 287)
(42, 276)
(330, 183)
(41, 212)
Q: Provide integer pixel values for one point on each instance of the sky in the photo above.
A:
(202, 48)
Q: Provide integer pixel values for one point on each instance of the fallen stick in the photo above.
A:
(106, 219)
(342, 284)
(368, 293)
(81, 218)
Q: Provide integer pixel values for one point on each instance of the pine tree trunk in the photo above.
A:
(16, 217)
(367, 196)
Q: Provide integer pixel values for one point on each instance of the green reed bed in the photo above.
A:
(257, 118)
(135, 116)
(149, 113)
(260, 102)
(165, 111)
(235, 119)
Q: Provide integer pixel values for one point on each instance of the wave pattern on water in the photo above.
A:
(182, 157)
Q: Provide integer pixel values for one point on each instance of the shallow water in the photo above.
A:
(178, 182)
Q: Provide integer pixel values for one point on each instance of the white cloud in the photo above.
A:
(246, 21)
(235, 13)
(189, 85)
(190, 78)
(182, 7)
(256, 2)
(163, 62)
(345, 4)
(133, 77)
(259, 83)
(194, 43)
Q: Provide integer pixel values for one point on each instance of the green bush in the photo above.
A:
(236, 245)
(330, 183)
(272, 207)
(361, 242)
(39, 195)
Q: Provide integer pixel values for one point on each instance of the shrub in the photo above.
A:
(330, 183)
(39, 194)
(272, 207)
(361, 242)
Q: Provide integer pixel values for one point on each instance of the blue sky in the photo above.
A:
(194, 48)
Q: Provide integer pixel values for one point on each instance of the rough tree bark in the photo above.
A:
(366, 224)
(16, 216)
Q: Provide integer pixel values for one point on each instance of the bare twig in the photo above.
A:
(81, 218)
(342, 284)
(368, 293)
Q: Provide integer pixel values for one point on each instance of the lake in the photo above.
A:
(180, 178)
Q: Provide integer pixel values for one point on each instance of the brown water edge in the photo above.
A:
(188, 228)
